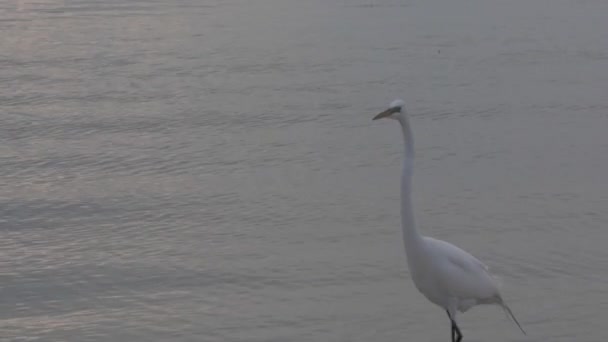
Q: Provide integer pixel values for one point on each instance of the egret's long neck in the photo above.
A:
(411, 236)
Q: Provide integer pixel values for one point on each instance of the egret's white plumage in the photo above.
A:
(445, 274)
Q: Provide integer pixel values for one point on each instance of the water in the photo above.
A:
(208, 170)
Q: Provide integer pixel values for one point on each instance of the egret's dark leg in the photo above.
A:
(456, 334)
(453, 331)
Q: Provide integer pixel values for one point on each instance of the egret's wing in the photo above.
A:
(463, 275)
(458, 256)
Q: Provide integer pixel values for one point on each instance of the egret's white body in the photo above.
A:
(445, 274)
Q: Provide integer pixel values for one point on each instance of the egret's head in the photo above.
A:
(395, 111)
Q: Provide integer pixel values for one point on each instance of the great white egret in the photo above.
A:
(445, 274)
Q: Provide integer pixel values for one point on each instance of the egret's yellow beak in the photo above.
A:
(386, 113)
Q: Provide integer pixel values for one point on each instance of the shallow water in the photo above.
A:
(209, 171)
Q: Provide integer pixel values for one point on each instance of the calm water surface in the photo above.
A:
(205, 170)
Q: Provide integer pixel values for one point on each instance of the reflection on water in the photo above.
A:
(208, 170)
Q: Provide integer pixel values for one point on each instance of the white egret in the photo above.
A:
(445, 274)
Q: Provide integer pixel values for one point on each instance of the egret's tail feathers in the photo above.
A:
(510, 313)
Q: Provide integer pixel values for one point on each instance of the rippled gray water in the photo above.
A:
(208, 170)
